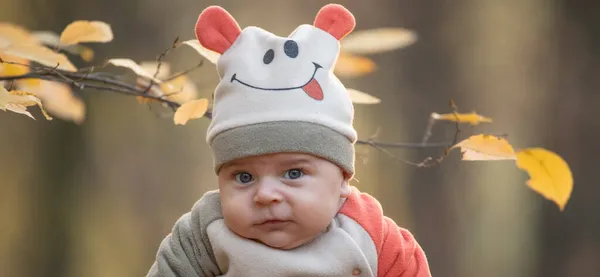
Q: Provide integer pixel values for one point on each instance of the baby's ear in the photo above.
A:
(336, 20)
(346, 190)
(216, 29)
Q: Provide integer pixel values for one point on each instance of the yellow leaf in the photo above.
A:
(485, 148)
(210, 55)
(58, 100)
(127, 63)
(86, 31)
(18, 101)
(151, 66)
(53, 40)
(471, 118)
(144, 100)
(377, 40)
(190, 110)
(154, 90)
(30, 82)
(180, 89)
(549, 174)
(40, 54)
(87, 54)
(360, 97)
(349, 65)
(14, 34)
(7, 69)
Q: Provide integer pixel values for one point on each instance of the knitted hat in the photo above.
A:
(279, 94)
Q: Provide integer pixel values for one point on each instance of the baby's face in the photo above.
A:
(282, 200)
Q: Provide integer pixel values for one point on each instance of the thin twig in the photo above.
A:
(70, 76)
(455, 112)
(68, 80)
(428, 161)
(162, 56)
(159, 61)
(174, 76)
(129, 92)
(380, 148)
(13, 63)
(403, 145)
(108, 85)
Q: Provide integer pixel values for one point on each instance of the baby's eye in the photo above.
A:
(293, 174)
(244, 177)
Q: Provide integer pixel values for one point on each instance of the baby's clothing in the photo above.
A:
(359, 241)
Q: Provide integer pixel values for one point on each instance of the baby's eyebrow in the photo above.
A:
(232, 164)
(296, 161)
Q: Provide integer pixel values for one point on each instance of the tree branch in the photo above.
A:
(87, 80)
(110, 82)
(176, 75)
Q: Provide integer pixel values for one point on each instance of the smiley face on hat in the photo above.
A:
(260, 60)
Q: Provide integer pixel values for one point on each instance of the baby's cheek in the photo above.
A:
(319, 214)
(235, 215)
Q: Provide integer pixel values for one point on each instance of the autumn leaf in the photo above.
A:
(86, 31)
(53, 40)
(15, 34)
(485, 148)
(180, 89)
(211, 56)
(130, 64)
(58, 100)
(471, 118)
(549, 174)
(154, 90)
(377, 40)
(40, 54)
(151, 66)
(18, 101)
(360, 97)
(7, 69)
(348, 65)
(190, 110)
(87, 54)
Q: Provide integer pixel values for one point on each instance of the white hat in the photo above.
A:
(279, 94)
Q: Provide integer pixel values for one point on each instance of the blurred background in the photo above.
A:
(96, 199)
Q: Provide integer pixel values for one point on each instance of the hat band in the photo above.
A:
(281, 137)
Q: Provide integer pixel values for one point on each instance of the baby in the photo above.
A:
(283, 146)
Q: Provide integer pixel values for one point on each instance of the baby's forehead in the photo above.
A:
(277, 159)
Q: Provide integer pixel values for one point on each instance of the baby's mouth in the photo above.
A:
(273, 224)
(272, 221)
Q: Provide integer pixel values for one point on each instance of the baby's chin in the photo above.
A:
(283, 244)
(283, 241)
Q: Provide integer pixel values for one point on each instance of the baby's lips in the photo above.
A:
(313, 89)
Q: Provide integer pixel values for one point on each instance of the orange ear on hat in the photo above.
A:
(336, 20)
(216, 29)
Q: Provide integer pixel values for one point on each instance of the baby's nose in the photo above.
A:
(267, 193)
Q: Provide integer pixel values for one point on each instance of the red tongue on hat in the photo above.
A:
(313, 89)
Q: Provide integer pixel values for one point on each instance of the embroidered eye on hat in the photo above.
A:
(279, 94)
